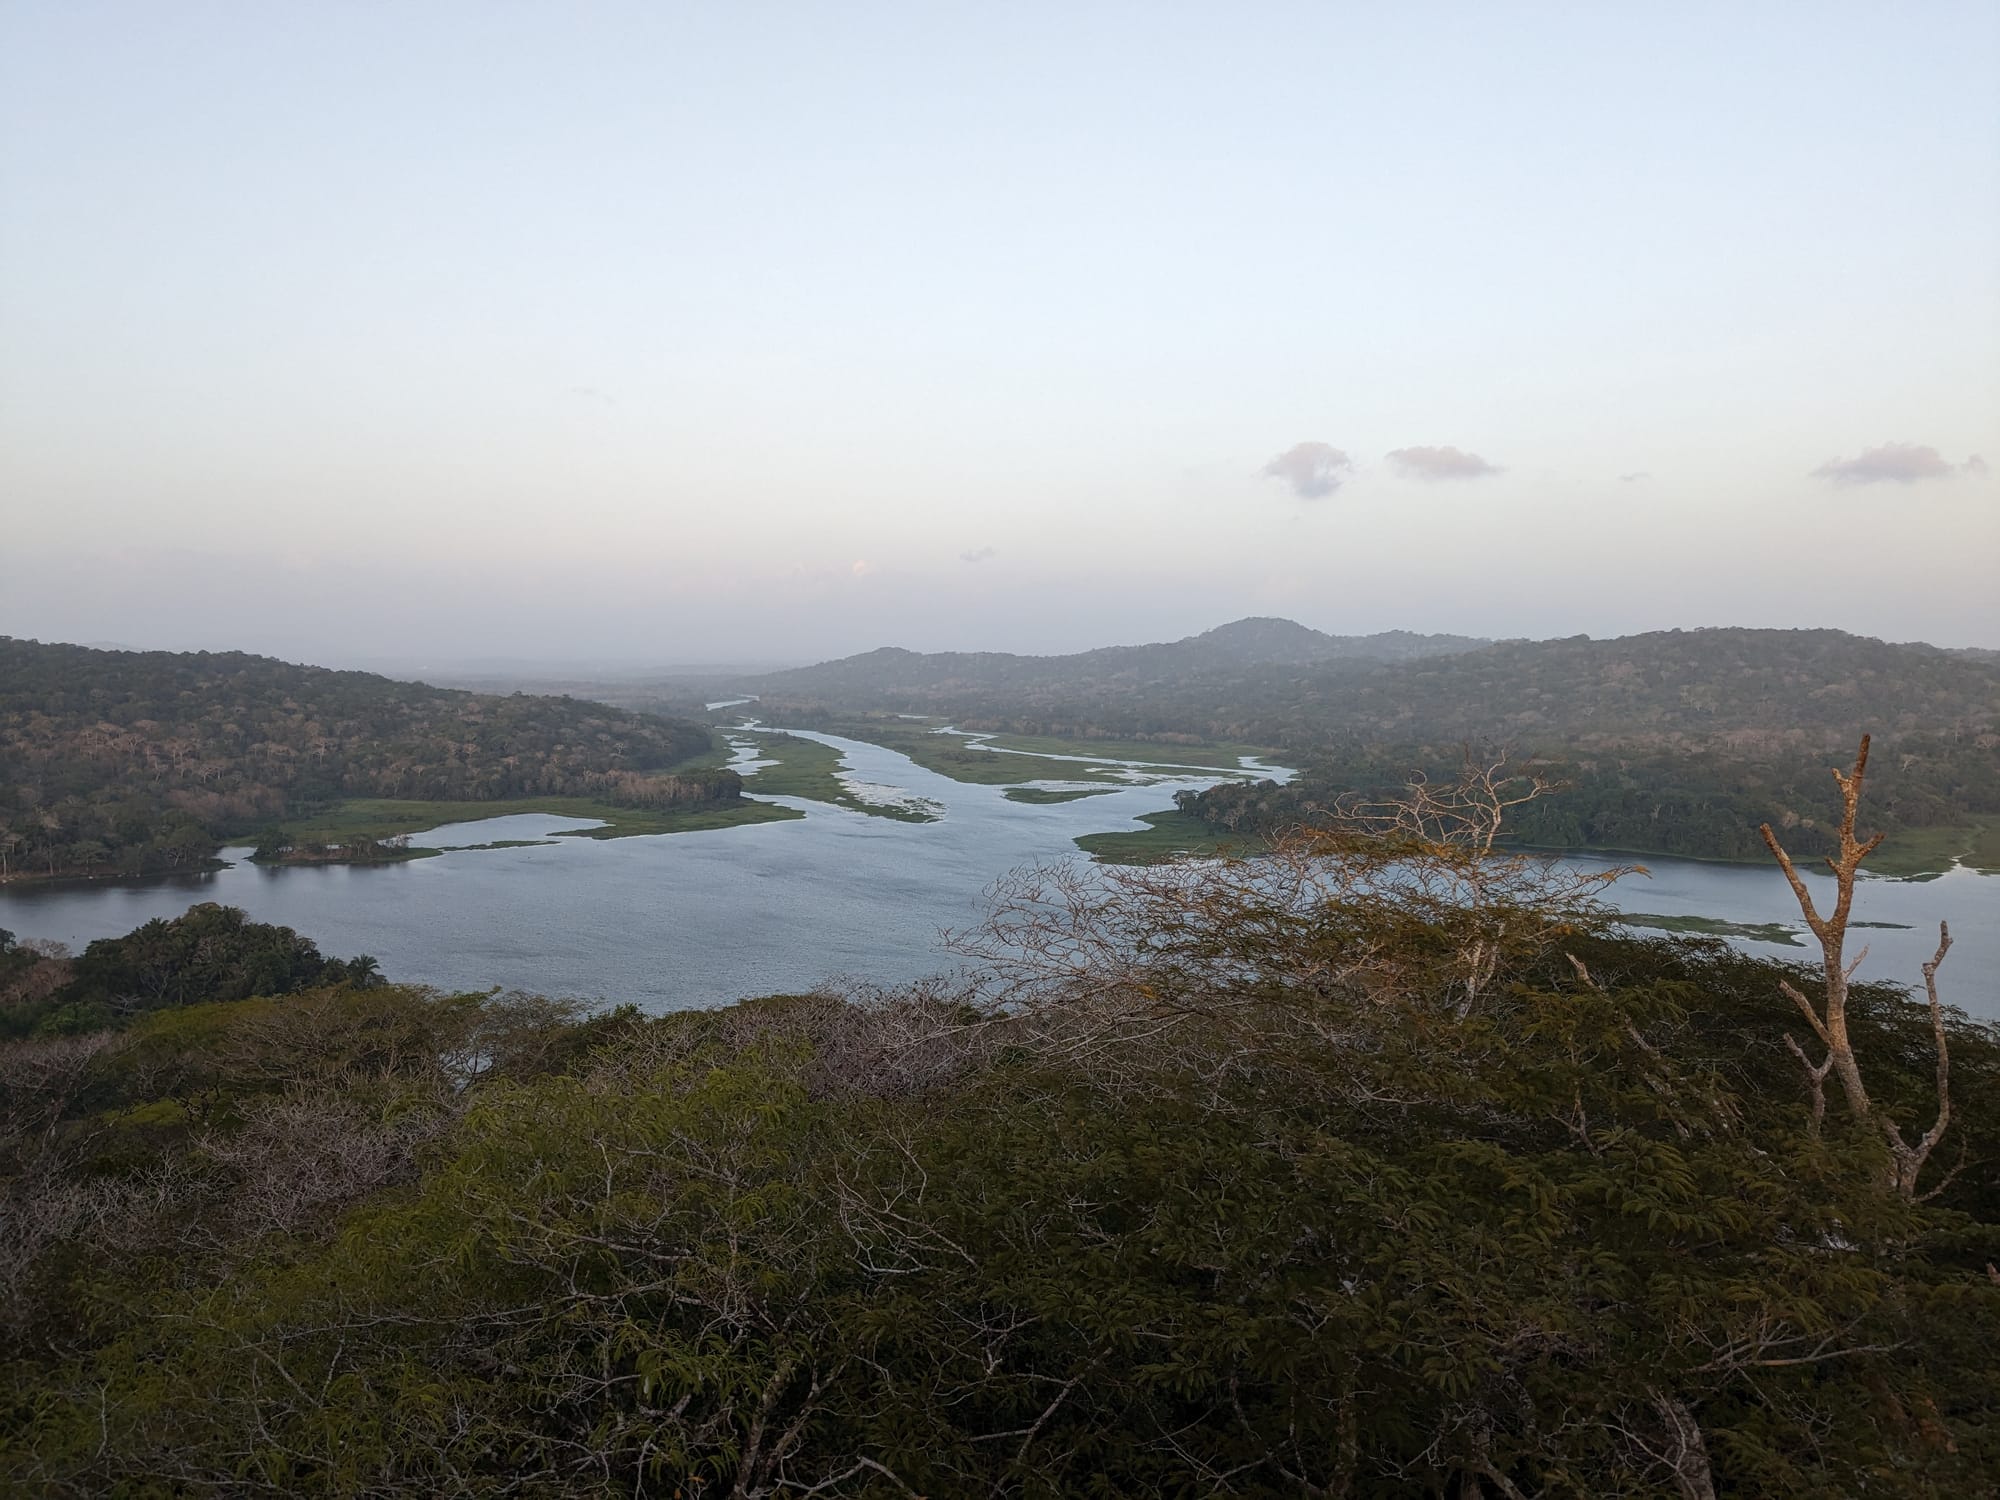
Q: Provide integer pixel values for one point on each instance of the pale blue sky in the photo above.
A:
(690, 333)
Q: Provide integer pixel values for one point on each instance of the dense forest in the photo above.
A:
(1750, 691)
(1274, 1178)
(1697, 803)
(128, 762)
(1677, 742)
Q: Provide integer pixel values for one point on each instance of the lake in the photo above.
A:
(700, 919)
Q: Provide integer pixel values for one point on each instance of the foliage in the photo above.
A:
(208, 953)
(1372, 1168)
(1674, 742)
(1692, 803)
(129, 762)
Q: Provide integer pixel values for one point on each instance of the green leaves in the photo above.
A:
(1378, 1241)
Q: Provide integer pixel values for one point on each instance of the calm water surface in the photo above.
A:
(697, 919)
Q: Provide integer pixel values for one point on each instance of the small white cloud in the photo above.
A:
(1895, 463)
(978, 554)
(1634, 477)
(1440, 463)
(1313, 470)
(862, 568)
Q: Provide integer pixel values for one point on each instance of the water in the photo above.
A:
(697, 919)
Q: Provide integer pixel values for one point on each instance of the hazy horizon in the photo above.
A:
(764, 333)
(613, 666)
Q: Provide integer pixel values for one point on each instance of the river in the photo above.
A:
(699, 919)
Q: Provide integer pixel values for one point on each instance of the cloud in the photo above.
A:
(862, 568)
(1313, 470)
(1895, 463)
(1440, 463)
(1634, 477)
(978, 554)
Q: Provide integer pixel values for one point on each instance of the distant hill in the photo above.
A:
(1678, 741)
(1273, 682)
(1739, 688)
(910, 677)
(130, 761)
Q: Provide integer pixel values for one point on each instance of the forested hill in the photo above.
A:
(124, 760)
(1737, 689)
(1731, 688)
(911, 677)
(1674, 742)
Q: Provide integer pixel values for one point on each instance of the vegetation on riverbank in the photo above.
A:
(950, 755)
(279, 849)
(1683, 924)
(208, 954)
(1011, 759)
(146, 762)
(1048, 795)
(1684, 805)
(1170, 755)
(385, 818)
(805, 768)
(1166, 836)
(1974, 845)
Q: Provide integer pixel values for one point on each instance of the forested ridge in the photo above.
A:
(1677, 742)
(1749, 691)
(1694, 803)
(1291, 1177)
(121, 761)
(892, 675)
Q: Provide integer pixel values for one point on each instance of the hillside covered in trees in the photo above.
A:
(121, 761)
(893, 677)
(1292, 1177)
(1675, 742)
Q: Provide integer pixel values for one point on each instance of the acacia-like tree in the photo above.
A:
(1828, 1019)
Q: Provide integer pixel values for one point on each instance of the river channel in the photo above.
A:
(699, 919)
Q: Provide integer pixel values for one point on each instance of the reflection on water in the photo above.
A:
(694, 919)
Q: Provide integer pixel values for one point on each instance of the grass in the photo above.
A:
(1166, 835)
(1759, 932)
(1044, 794)
(947, 755)
(380, 856)
(714, 758)
(1030, 757)
(1153, 752)
(382, 817)
(806, 768)
(1930, 851)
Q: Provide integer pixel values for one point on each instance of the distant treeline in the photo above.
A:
(1700, 804)
(132, 762)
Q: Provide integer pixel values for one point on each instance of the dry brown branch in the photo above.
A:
(1815, 1080)
(1829, 1018)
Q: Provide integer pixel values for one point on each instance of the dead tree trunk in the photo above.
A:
(1829, 1019)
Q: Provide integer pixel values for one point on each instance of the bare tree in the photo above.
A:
(1405, 901)
(1829, 1019)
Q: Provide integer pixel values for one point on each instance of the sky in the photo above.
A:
(697, 333)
